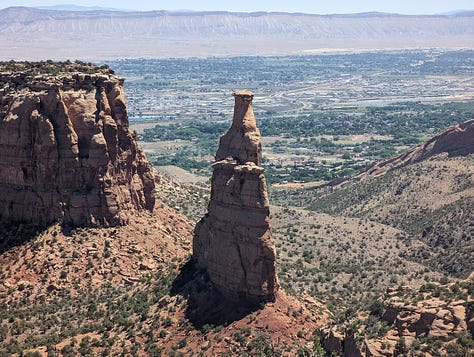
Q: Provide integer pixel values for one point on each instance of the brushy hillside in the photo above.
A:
(431, 202)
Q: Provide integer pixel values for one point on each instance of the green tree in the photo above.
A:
(318, 350)
(260, 346)
(401, 348)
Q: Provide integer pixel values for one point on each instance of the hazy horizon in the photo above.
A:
(422, 7)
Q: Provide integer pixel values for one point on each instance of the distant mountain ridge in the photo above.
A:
(31, 33)
(69, 7)
(59, 11)
(78, 8)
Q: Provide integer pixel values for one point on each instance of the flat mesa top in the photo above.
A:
(51, 69)
(243, 93)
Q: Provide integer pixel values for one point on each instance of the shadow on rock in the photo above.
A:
(13, 235)
(205, 304)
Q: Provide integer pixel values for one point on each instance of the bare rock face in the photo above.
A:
(337, 343)
(456, 140)
(242, 141)
(66, 153)
(429, 318)
(233, 242)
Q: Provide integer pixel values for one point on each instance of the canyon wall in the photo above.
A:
(66, 153)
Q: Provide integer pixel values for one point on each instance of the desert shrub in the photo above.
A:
(376, 308)
(260, 346)
(400, 347)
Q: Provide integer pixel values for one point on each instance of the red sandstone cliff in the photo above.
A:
(233, 242)
(66, 153)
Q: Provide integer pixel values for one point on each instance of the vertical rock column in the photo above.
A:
(233, 242)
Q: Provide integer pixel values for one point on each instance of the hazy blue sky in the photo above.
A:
(309, 6)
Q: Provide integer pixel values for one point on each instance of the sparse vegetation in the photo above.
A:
(402, 238)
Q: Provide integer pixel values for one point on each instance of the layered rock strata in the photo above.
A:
(233, 242)
(66, 153)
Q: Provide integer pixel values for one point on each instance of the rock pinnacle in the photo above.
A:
(233, 242)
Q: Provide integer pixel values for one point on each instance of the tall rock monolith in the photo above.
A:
(233, 242)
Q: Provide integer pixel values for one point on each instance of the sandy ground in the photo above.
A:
(140, 127)
(181, 175)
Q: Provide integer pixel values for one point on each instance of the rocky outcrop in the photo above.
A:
(434, 318)
(336, 343)
(430, 319)
(456, 140)
(233, 242)
(66, 153)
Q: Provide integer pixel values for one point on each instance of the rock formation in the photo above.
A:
(431, 318)
(233, 242)
(336, 343)
(66, 153)
(456, 140)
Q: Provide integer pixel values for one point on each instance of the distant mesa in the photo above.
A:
(66, 152)
(233, 242)
(78, 8)
(32, 34)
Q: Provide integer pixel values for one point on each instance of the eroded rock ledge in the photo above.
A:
(66, 153)
(233, 242)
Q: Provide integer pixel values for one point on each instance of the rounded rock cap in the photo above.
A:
(243, 94)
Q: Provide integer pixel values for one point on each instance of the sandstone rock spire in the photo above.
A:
(242, 140)
(233, 242)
